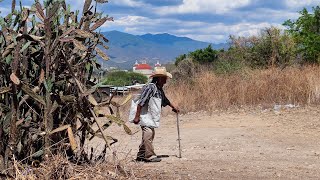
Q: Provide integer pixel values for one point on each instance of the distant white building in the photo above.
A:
(144, 68)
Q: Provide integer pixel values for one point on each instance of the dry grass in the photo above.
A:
(58, 167)
(208, 91)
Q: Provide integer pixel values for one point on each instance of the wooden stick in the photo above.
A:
(178, 128)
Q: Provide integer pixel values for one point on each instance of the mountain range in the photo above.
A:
(125, 49)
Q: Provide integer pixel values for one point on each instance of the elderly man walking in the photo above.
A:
(148, 112)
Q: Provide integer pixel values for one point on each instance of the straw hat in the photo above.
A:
(161, 72)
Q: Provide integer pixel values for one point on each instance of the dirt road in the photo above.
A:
(233, 145)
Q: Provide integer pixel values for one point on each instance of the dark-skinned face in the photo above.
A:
(162, 81)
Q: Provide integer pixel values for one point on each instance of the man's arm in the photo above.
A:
(136, 119)
(167, 102)
(174, 108)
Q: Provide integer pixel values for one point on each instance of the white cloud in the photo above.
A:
(203, 6)
(203, 31)
(219, 32)
(207, 37)
(132, 21)
(130, 3)
(273, 15)
(301, 3)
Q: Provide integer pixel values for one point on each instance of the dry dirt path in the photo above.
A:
(233, 145)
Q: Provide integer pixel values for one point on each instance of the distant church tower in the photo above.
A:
(157, 65)
(135, 66)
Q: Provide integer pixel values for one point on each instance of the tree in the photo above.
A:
(306, 32)
(202, 56)
(122, 78)
(180, 58)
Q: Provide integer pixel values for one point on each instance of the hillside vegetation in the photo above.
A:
(274, 67)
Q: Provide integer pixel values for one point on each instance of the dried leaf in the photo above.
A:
(67, 32)
(19, 122)
(104, 38)
(102, 1)
(90, 91)
(14, 79)
(39, 16)
(13, 6)
(36, 38)
(40, 11)
(24, 14)
(25, 46)
(67, 98)
(35, 96)
(79, 45)
(61, 128)
(69, 39)
(127, 129)
(54, 107)
(86, 5)
(105, 47)
(54, 9)
(4, 90)
(100, 23)
(101, 54)
(126, 100)
(72, 140)
(115, 119)
(36, 89)
(8, 50)
(40, 25)
(83, 33)
(41, 78)
(92, 100)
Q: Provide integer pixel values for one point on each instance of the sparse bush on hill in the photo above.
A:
(272, 48)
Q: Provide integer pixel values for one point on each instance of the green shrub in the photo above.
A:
(123, 78)
(202, 56)
(306, 32)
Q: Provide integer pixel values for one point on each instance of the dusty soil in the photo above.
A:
(247, 144)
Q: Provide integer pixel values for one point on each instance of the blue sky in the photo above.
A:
(204, 20)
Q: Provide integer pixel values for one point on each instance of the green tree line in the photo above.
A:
(123, 78)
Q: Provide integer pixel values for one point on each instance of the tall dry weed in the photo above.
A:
(208, 91)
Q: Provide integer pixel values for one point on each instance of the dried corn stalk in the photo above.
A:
(47, 58)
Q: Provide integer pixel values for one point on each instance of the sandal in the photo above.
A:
(155, 159)
(139, 159)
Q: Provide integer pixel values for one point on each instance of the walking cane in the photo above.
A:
(178, 128)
